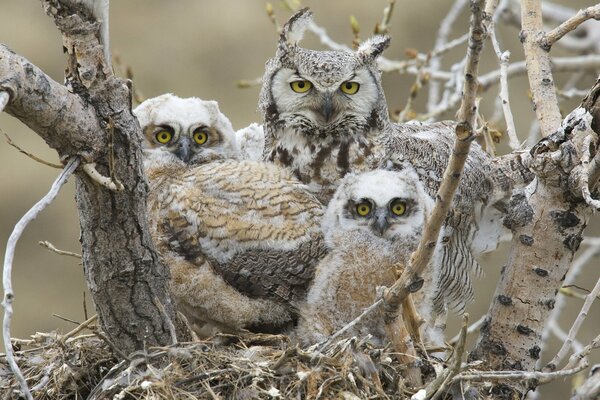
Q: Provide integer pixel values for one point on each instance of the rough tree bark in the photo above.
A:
(547, 220)
(91, 118)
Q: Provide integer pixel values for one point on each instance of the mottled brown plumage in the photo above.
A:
(324, 131)
(241, 239)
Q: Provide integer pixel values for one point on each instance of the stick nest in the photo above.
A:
(248, 366)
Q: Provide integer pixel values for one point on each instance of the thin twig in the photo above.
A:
(8, 261)
(572, 274)
(571, 24)
(436, 387)
(441, 40)
(580, 356)
(410, 280)
(84, 325)
(50, 246)
(170, 324)
(90, 170)
(33, 157)
(4, 98)
(589, 300)
(470, 329)
(504, 57)
(541, 377)
(321, 348)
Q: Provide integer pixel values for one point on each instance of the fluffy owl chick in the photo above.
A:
(251, 140)
(373, 223)
(241, 240)
(188, 131)
(325, 115)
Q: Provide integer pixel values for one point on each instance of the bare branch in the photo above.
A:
(51, 247)
(539, 71)
(540, 377)
(454, 369)
(8, 260)
(61, 118)
(33, 157)
(589, 300)
(504, 57)
(569, 25)
(410, 281)
(441, 40)
(90, 170)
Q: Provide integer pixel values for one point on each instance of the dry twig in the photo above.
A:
(33, 157)
(539, 71)
(569, 25)
(8, 260)
(410, 280)
(51, 247)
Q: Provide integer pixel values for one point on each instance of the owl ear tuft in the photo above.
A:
(293, 30)
(372, 48)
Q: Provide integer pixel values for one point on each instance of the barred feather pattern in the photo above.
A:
(241, 238)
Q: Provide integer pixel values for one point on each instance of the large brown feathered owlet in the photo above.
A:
(241, 238)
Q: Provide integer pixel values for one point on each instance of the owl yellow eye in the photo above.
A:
(350, 87)
(301, 86)
(398, 207)
(363, 209)
(163, 137)
(200, 137)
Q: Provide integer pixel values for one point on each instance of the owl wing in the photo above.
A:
(427, 148)
(257, 226)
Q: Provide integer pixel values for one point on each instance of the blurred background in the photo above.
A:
(202, 48)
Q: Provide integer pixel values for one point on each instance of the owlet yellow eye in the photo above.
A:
(363, 209)
(200, 137)
(163, 137)
(301, 86)
(398, 207)
(350, 87)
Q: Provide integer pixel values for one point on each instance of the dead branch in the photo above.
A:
(52, 248)
(562, 353)
(33, 157)
(61, 118)
(547, 219)
(503, 57)
(539, 71)
(123, 271)
(569, 25)
(440, 41)
(410, 280)
(8, 260)
(454, 369)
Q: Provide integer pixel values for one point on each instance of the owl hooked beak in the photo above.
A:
(327, 110)
(381, 224)
(183, 150)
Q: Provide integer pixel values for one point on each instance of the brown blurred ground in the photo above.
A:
(201, 48)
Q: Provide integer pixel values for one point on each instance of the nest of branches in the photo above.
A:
(249, 366)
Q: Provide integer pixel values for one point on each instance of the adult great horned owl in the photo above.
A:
(373, 222)
(241, 238)
(325, 115)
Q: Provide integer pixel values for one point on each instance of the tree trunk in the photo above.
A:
(93, 120)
